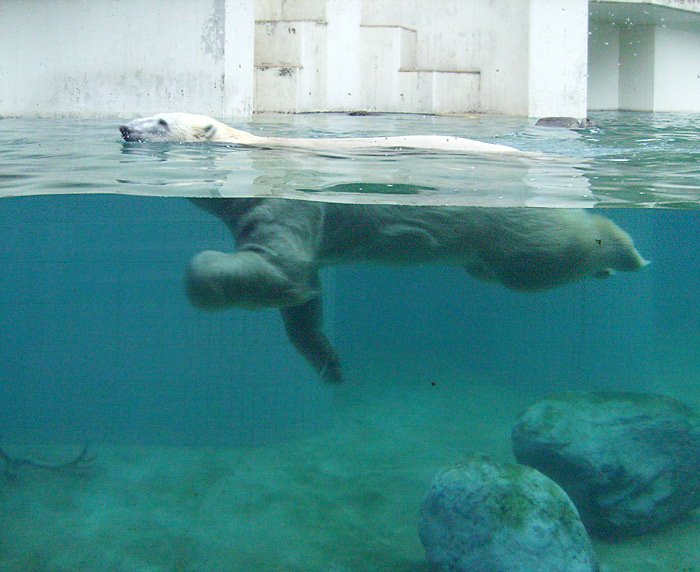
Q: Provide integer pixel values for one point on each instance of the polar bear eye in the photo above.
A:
(162, 122)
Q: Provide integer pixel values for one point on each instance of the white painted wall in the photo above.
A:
(677, 70)
(558, 58)
(238, 72)
(503, 53)
(101, 58)
(96, 58)
(384, 52)
(489, 37)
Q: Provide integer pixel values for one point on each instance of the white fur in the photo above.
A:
(187, 127)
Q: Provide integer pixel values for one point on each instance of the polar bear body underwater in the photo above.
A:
(281, 244)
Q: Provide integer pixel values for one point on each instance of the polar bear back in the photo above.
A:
(193, 128)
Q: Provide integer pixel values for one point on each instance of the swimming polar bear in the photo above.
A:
(282, 244)
(567, 122)
(188, 127)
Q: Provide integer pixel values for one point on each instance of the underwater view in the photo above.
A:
(157, 415)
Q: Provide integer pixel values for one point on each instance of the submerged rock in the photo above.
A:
(483, 516)
(629, 461)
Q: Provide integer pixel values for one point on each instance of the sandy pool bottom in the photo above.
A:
(345, 500)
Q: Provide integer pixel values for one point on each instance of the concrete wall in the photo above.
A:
(645, 60)
(344, 72)
(488, 37)
(636, 68)
(603, 66)
(531, 55)
(228, 58)
(93, 58)
(677, 70)
(99, 57)
(558, 58)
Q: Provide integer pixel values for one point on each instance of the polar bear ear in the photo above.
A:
(210, 132)
(205, 132)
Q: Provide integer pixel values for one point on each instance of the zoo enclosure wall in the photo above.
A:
(230, 58)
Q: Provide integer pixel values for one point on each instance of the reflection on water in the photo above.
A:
(629, 160)
(217, 448)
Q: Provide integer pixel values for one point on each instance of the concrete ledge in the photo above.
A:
(389, 26)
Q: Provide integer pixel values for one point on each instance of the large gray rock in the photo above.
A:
(482, 516)
(629, 461)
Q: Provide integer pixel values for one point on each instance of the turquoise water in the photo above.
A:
(632, 160)
(215, 441)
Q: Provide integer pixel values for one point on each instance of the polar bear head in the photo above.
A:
(182, 128)
(614, 249)
(175, 127)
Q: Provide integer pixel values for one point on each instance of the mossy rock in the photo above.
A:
(629, 461)
(481, 515)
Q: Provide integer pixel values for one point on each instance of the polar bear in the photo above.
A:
(567, 122)
(282, 244)
(188, 127)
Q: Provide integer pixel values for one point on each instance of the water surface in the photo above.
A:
(629, 160)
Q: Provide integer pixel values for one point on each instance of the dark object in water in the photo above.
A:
(566, 122)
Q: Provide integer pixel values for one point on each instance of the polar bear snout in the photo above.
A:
(127, 133)
(131, 132)
(151, 129)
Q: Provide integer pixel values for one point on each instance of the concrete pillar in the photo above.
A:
(239, 69)
(558, 57)
(344, 74)
(637, 68)
(603, 66)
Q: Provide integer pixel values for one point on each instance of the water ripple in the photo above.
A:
(631, 159)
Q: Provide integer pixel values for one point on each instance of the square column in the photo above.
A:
(636, 86)
(558, 58)
(344, 55)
